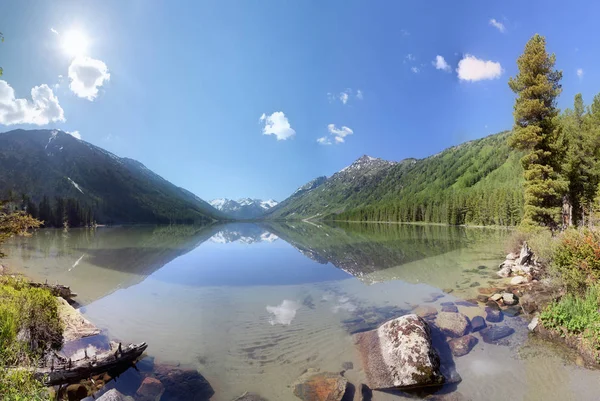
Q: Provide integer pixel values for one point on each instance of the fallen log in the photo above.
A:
(67, 371)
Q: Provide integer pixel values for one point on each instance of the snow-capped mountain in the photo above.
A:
(245, 208)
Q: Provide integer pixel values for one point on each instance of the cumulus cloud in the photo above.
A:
(324, 140)
(470, 68)
(339, 133)
(345, 95)
(277, 124)
(74, 134)
(441, 64)
(410, 57)
(580, 73)
(54, 31)
(41, 110)
(415, 70)
(284, 313)
(497, 24)
(87, 75)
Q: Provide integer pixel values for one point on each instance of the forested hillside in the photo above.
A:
(478, 182)
(60, 179)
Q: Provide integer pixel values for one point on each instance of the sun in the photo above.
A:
(74, 43)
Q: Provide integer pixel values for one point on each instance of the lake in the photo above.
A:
(252, 306)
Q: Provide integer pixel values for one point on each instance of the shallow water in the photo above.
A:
(253, 306)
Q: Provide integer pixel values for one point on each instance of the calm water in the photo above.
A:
(252, 306)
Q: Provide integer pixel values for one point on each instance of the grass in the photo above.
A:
(29, 327)
(575, 314)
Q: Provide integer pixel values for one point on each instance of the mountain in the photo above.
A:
(477, 182)
(244, 208)
(52, 163)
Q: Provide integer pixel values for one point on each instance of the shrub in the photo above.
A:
(576, 314)
(577, 259)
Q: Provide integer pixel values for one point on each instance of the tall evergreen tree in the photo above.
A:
(537, 132)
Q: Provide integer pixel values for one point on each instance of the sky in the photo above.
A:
(255, 98)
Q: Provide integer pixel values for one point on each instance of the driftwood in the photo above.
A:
(66, 371)
(57, 290)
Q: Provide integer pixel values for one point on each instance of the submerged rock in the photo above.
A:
(452, 324)
(449, 308)
(516, 280)
(493, 315)
(400, 355)
(492, 334)
(315, 386)
(512, 311)
(151, 389)
(478, 323)
(183, 384)
(113, 395)
(462, 345)
(425, 311)
(250, 397)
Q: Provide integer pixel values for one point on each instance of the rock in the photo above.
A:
(366, 394)
(452, 324)
(425, 311)
(511, 256)
(151, 389)
(509, 299)
(347, 365)
(505, 270)
(183, 384)
(76, 392)
(474, 284)
(521, 269)
(447, 303)
(492, 305)
(113, 395)
(250, 397)
(526, 255)
(496, 297)
(533, 324)
(462, 345)
(492, 334)
(454, 396)
(482, 298)
(449, 308)
(315, 386)
(466, 303)
(482, 267)
(434, 296)
(512, 311)
(516, 280)
(448, 290)
(399, 354)
(478, 323)
(493, 315)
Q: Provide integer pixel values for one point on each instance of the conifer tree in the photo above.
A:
(537, 132)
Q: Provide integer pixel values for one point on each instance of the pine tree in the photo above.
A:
(537, 132)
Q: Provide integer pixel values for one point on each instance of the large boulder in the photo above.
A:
(183, 384)
(315, 386)
(399, 355)
(452, 324)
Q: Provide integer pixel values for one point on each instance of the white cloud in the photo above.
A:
(410, 57)
(470, 68)
(324, 141)
(87, 75)
(344, 97)
(277, 124)
(415, 69)
(441, 64)
(41, 110)
(284, 313)
(497, 24)
(54, 31)
(359, 94)
(580, 73)
(74, 134)
(339, 134)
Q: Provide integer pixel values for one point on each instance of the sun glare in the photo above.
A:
(74, 43)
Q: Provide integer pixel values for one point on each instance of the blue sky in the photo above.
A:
(182, 86)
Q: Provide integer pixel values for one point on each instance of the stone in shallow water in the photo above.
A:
(315, 386)
(452, 324)
(478, 323)
(481, 267)
(462, 345)
(482, 298)
(447, 303)
(250, 397)
(449, 308)
(493, 315)
(181, 383)
(512, 311)
(399, 354)
(425, 311)
(509, 299)
(466, 303)
(492, 305)
(151, 389)
(494, 333)
(347, 365)
(113, 395)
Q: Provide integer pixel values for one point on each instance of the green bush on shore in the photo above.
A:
(29, 326)
(577, 259)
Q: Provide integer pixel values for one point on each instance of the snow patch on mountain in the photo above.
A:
(244, 208)
(75, 185)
